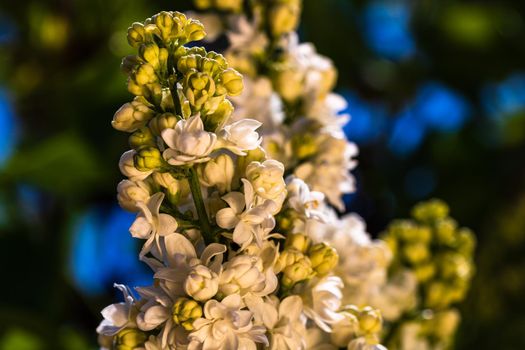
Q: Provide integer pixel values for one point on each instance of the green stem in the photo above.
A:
(196, 193)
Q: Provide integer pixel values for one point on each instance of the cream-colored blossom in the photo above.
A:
(188, 142)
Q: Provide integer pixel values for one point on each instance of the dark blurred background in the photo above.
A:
(436, 90)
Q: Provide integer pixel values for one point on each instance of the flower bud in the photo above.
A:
(295, 266)
(323, 258)
(148, 158)
(131, 116)
(176, 189)
(304, 145)
(142, 137)
(194, 31)
(370, 320)
(202, 283)
(284, 17)
(222, 113)
(289, 83)
(129, 339)
(430, 211)
(162, 122)
(267, 179)
(298, 241)
(218, 172)
(425, 272)
(132, 192)
(145, 74)
(445, 231)
(127, 167)
(436, 295)
(136, 34)
(185, 312)
(416, 253)
(165, 23)
(231, 80)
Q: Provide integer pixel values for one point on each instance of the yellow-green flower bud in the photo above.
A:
(148, 158)
(295, 266)
(466, 241)
(141, 137)
(145, 74)
(136, 34)
(132, 116)
(416, 253)
(194, 31)
(202, 4)
(222, 113)
(436, 295)
(445, 231)
(129, 339)
(231, 80)
(129, 63)
(370, 320)
(187, 62)
(185, 312)
(298, 241)
(162, 122)
(391, 242)
(155, 56)
(284, 17)
(167, 26)
(288, 83)
(323, 258)
(304, 145)
(286, 219)
(425, 272)
(430, 211)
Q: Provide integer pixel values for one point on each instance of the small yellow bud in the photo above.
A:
(129, 339)
(231, 80)
(298, 241)
(430, 211)
(141, 137)
(436, 295)
(222, 113)
(445, 231)
(284, 17)
(295, 266)
(288, 83)
(145, 74)
(148, 158)
(194, 31)
(416, 253)
(131, 116)
(185, 312)
(162, 122)
(304, 145)
(370, 320)
(425, 272)
(202, 4)
(323, 257)
(136, 34)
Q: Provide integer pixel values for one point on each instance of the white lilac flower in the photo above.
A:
(132, 192)
(120, 315)
(258, 101)
(307, 203)
(156, 313)
(250, 222)
(364, 265)
(245, 274)
(226, 326)
(329, 171)
(188, 142)
(322, 300)
(282, 319)
(151, 225)
(267, 181)
(127, 167)
(186, 273)
(240, 136)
